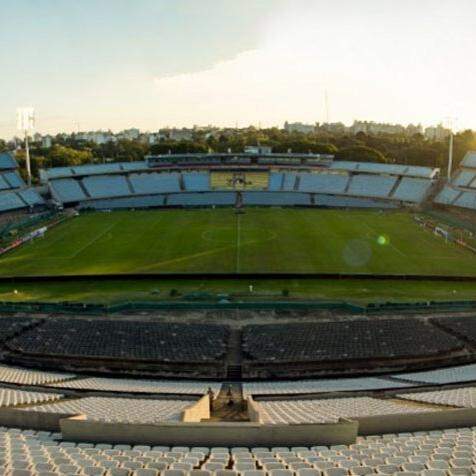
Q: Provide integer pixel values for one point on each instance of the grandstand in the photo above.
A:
(435, 453)
(151, 412)
(275, 349)
(14, 194)
(286, 349)
(157, 341)
(461, 190)
(163, 424)
(322, 183)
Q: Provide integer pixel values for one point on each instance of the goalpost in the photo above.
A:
(442, 232)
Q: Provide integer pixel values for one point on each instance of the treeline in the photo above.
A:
(391, 148)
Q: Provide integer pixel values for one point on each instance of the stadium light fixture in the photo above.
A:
(26, 123)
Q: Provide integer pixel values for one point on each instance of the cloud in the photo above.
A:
(398, 71)
(255, 85)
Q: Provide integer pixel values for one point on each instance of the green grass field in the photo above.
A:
(260, 240)
(263, 290)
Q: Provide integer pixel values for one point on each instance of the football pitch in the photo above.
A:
(260, 240)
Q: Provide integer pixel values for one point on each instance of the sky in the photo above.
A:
(115, 64)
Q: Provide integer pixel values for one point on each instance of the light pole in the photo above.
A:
(450, 120)
(450, 156)
(26, 123)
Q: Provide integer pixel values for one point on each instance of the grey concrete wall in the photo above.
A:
(451, 418)
(16, 418)
(198, 411)
(253, 410)
(209, 434)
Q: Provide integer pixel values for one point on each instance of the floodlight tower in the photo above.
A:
(450, 156)
(26, 123)
(450, 147)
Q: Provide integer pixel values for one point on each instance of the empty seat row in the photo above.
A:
(31, 197)
(9, 326)
(435, 453)
(11, 180)
(343, 201)
(148, 183)
(412, 189)
(323, 183)
(22, 376)
(465, 178)
(188, 387)
(314, 386)
(469, 160)
(358, 339)
(202, 199)
(371, 185)
(276, 198)
(92, 169)
(456, 397)
(69, 190)
(102, 186)
(12, 398)
(466, 200)
(462, 373)
(463, 326)
(7, 161)
(17, 200)
(131, 340)
(393, 169)
(447, 195)
(196, 181)
(117, 410)
(331, 410)
(146, 201)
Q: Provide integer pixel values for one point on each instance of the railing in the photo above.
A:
(78, 308)
(25, 223)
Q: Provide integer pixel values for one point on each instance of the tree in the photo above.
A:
(60, 155)
(361, 153)
(37, 162)
(394, 148)
(178, 147)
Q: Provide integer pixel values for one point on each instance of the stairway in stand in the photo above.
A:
(234, 357)
(233, 372)
(229, 404)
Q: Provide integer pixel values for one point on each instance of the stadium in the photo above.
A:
(243, 314)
